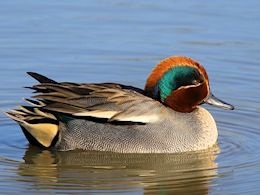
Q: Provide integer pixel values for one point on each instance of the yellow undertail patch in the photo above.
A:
(44, 133)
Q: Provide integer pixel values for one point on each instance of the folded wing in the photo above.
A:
(109, 101)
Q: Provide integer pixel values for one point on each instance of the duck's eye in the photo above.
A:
(195, 82)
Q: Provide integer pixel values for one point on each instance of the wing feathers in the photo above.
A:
(108, 100)
(40, 78)
(63, 108)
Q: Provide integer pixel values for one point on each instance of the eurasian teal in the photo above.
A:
(165, 117)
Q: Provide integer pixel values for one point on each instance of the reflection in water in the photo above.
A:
(76, 171)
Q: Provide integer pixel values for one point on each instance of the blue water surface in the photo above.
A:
(121, 41)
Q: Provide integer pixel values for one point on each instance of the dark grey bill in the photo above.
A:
(212, 100)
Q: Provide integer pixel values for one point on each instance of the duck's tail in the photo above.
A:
(39, 127)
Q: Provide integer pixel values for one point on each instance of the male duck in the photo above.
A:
(165, 117)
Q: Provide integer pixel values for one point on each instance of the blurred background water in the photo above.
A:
(121, 41)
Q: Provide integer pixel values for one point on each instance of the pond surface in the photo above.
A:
(121, 41)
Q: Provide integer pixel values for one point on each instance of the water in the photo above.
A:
(121, 41)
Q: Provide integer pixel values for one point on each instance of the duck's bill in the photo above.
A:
(212, 100)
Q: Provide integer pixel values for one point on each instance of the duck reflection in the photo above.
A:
(99, 172)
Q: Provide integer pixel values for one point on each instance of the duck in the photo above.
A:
(164, 117)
